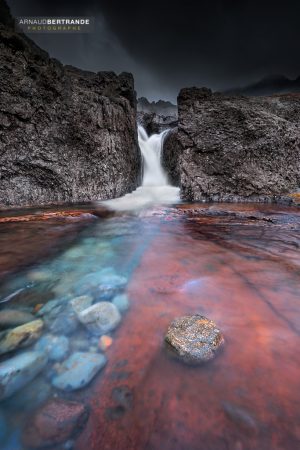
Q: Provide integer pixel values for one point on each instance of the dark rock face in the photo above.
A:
(194, 339)
(156, 117)
(161, 107)
(172, 151)
(65, 134)
(235, 148)
(154, 123)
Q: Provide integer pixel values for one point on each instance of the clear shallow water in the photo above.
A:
(237, 264)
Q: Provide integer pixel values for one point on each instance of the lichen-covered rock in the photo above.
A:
(16, 372)
(21, 336)
(194, 339)
(100, 318)
(54, 423)
(65, 134)
(234, 147)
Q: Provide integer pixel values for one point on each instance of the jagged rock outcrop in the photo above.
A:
(234, 148)
(154, 123)
(65, 134)
(161, 107)
(156, 117)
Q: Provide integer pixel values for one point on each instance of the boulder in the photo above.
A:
(194, 339)
(78, 370)
(16, 372)
(66, 135)
(21, 336)
(100, 318)
(234, 148)
(54, 423)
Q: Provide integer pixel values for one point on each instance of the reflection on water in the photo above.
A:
(236, 264)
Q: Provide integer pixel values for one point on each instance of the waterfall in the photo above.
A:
(155, 189)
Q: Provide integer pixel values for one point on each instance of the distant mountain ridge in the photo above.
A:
(274, 84)
(161, 107)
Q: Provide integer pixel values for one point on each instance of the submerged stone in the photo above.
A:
(194, 339)
(54, 423)
(121, 302)
(65, 323)
(30, 396)
(21, 336)
(100, 318)
(110, 285)
(78, 370)
(78, 304)
(56, 347)
(16, 372)
(102, 284)
(14, 317)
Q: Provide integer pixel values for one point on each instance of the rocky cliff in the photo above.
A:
(231, 148)
(156, 117)
(65, 134)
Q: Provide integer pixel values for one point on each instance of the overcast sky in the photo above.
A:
(168, 45)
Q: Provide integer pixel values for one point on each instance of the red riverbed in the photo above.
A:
(240, 266)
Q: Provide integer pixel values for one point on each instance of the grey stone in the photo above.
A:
(65, 323)
(78, 370)
(13, 317)
(121, 302)
(78, 304)
(16, 372)
(100, 318)
(56, 347)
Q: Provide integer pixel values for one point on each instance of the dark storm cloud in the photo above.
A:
(171, 44)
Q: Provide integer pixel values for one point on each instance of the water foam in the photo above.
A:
(155, 189)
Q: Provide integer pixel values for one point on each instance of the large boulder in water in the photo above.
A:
(65, 134)
(234, 147)
(194, 339)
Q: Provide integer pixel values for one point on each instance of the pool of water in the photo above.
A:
(239, 265)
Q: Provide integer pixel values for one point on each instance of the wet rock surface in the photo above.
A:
(194, 339)
(16, 372)
(156, 123)
(78, 370)
(65, 134)
(21, 336)
(100, 318)
(230, 148)
(56, 422)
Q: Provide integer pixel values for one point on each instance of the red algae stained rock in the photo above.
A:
(194, 339)
(57, 421)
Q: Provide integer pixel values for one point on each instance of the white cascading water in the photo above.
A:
(155, 188)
